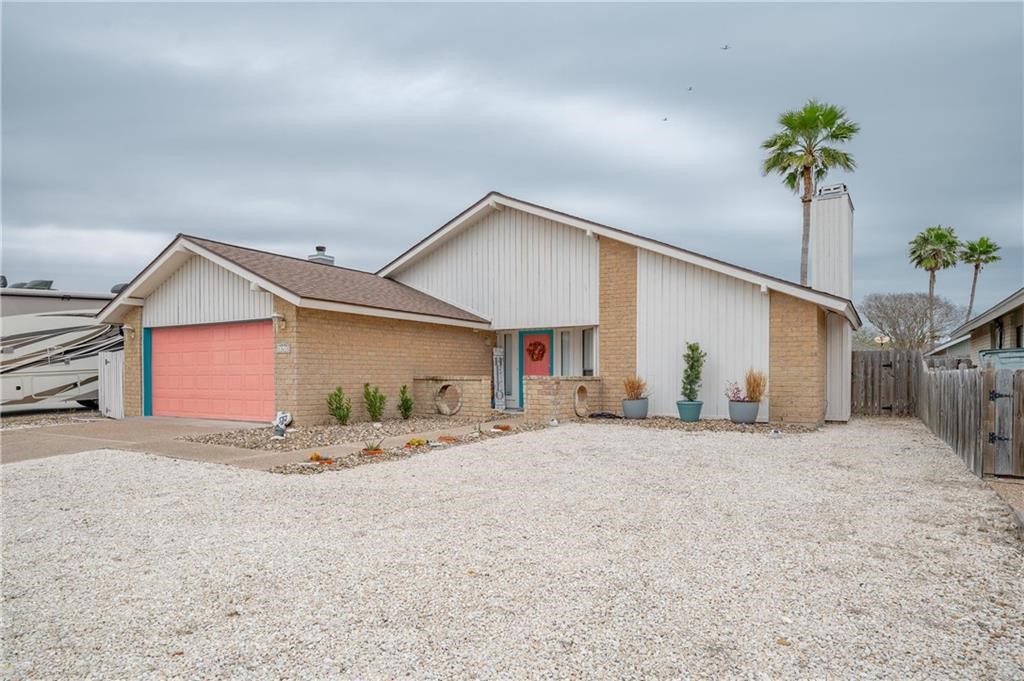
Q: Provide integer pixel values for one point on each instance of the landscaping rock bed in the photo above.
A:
(57, 417)
(308, 437)
(392, 453)
(709, 425)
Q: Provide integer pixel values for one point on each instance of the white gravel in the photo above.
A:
(857, 551)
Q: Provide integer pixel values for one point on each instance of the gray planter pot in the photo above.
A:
(689, 411)
(743, 412)
(634, 409)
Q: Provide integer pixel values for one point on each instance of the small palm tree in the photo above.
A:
(799, 153)
(935, 248)
(980, 252)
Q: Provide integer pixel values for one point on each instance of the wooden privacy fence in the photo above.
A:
(979, 413)
(884, 382)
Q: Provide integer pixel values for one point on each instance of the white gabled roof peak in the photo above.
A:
(496, 201)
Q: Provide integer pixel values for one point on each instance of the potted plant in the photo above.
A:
(689, 407)
(635, 404)
(743, 406)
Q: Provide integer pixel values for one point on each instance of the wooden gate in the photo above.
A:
(112, 384)
(1003, 422)
(884, 382)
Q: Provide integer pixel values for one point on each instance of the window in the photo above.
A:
(1020, 336)
(588, 352)
(509, 350)
(566, 342)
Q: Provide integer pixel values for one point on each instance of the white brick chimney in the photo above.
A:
(831, 248)
(831, 263)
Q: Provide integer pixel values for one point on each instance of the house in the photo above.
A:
(1001, 327)
(954, 347)
(516, 305)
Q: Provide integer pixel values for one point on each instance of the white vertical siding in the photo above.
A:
(201, 292)
(516, 269)
(838, 379)
(831, 262)
(679, 303)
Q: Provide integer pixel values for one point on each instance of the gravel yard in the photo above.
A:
(615, 551)
(53, 417)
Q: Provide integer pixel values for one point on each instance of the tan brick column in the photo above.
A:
(286, 364)
(132, 389)
(797, 361)
(617, 319)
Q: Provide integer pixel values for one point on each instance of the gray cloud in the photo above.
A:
(365, 127)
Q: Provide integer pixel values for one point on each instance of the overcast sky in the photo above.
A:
(366, 127)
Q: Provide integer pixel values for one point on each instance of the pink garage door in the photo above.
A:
(215, 371)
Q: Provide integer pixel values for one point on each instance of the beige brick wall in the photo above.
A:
(554, 397)
(132, 389)
(797, 360)
(332, 348)
(286, 364)
(617, 313)
(475, 394)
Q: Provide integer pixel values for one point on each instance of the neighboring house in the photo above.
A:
(1001, 327)
(504, 291)
(955, 347)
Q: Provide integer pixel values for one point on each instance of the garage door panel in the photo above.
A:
(214, 371)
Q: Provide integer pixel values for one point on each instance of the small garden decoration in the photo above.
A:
(634, 406)
(339, 405)
(404, 402)
(743, 406)
(375, 401)
(372, 448)
(689, 407)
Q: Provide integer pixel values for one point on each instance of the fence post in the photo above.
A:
(1017, 442)
(988, 421)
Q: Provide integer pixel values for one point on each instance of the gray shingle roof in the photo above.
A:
(334, 284)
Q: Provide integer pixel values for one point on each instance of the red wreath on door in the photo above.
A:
(536, 350)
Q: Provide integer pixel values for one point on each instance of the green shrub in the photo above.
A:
(694, 359)
(339, 405)
(375, 401)
(405, 402)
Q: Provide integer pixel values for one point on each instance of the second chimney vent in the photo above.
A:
(321, 256)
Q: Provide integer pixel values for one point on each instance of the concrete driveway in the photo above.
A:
(154, 434)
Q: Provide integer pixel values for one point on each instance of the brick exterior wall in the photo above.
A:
(617, 315)
(554, 397)
(475, 395)
(331, 348)
(132, 388)
(797, 361)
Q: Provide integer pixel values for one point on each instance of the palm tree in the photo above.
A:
(979, 253)
(798, 153)
(936, 248)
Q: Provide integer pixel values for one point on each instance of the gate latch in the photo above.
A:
(993, 395)
(993, 438)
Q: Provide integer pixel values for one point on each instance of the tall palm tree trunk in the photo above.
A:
(805, 245)
(931, 309)
(974, 285)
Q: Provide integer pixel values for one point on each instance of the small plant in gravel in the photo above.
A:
(315, 456)
(339, 405)
(373, 447)
(416, 442)
(375, 401)
(405, 402)
(694, 359)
